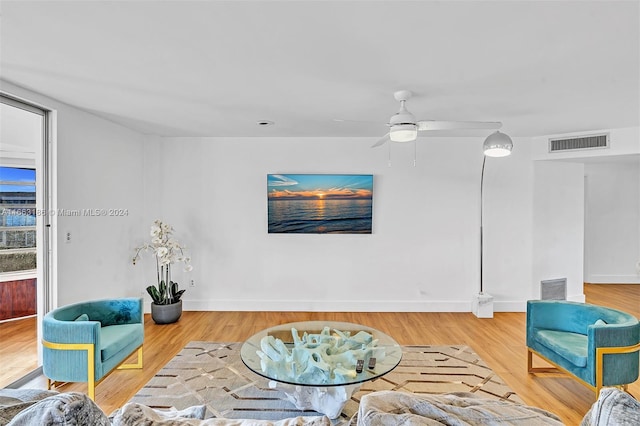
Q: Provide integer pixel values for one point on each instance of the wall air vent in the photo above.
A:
(553, 289)
(579, 143)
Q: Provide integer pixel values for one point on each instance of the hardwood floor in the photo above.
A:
(499, 341)
(18, 350)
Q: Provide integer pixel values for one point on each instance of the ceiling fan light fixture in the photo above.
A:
(403, 133)
(497, 145)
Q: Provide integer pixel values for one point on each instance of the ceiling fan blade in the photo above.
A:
(341, 120)
(452, 125)
(382, 141)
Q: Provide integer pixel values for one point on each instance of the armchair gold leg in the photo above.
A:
(137, 365)
(91, 389)
(91, 377)
(532, 369)
(555, 369)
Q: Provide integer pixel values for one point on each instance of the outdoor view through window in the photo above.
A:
(17, 219)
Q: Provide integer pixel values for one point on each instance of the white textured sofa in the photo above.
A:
(30, 407)
(384, 408)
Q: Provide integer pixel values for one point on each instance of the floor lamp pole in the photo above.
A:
(484, 160)
(482, 303)
(495, 145)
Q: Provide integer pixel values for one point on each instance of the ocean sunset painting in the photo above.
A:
(320, 204)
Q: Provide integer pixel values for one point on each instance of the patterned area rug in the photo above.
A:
(212, 374)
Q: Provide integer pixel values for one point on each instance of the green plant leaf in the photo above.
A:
(155, 295)
(177, 296)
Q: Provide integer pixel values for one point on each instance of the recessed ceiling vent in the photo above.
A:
(579, 143)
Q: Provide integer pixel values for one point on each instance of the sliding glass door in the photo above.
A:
(25, 247)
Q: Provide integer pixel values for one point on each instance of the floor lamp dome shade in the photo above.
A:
(497, 145)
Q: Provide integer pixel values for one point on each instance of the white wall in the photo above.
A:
(99, 166)
(423, 254)
(508, 218)
(558, 226)
(610, 203)
(612, 222)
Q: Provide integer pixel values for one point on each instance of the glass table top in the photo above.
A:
(322, 353)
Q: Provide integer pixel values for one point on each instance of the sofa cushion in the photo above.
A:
(62, 409)
(613, 407)
(114, 338)
(13, 401)
(134, 414)
(570, 346)
(392, 408)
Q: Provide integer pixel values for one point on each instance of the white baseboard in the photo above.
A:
(324, 306)
(577, 298)
(344, 306)
(351, 306)
(612, 279)
(510, 306)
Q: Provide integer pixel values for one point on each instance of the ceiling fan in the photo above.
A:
(403, 126)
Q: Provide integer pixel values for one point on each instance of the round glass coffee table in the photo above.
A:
(320, 364)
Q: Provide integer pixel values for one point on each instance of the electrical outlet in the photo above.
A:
(67, 237)
(192, 283)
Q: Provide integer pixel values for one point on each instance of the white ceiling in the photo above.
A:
(215, 68)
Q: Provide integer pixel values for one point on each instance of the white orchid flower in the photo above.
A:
(155, 230)
(166, 250)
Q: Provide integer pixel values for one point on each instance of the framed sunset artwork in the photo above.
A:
(319, 204)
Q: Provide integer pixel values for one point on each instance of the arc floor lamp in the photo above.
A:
(495, 145)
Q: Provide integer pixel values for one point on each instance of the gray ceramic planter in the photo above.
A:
(166, 314)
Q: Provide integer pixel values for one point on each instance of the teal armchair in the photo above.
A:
(597, 345)
(84, 342)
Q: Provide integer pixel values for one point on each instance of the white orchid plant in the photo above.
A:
(166, 251)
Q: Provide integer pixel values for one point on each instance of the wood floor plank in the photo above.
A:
(500, 342)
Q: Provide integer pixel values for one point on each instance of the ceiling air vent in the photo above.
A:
(579, 143)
